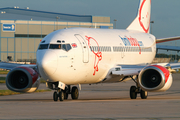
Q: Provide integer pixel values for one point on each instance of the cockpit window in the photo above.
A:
(65, 47)
(43, 46)
(55, 46)
(43, 41)
(68, 47)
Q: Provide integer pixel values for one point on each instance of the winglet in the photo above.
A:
(142, 21)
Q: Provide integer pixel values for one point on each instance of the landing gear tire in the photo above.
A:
(66, 93)
(143, 94)
(55, 96)
(61, 95)
(133, 93)
(74, 93)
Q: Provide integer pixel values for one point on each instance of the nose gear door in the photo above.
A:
(84, 47)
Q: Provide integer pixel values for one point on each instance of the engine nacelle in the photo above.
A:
(22, 79)
(155, 78)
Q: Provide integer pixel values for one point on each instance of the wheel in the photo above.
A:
(74, 93)
(143, 94)
(65, 93)
(61, 95)
(55, 96)
(133, 93)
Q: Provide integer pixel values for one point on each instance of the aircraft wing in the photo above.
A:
(10, 66)
(165, 47)
(129, 70)
(174, 65)
(167, 39)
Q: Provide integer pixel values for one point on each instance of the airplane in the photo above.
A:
(75, 56)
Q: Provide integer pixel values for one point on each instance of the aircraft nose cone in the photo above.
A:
(49, 63)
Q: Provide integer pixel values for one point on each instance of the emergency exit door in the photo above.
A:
(84, 46)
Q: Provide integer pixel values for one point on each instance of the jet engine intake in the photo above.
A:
(22, 79)
(155, 78)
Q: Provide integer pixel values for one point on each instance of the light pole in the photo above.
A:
(57, 21)
(151, 25)
(115, 23)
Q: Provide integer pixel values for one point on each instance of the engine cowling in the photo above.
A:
(22, 79)
(155, 78)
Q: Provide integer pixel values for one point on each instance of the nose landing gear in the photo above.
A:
(59, 94)
(63, 94)
(55, 96)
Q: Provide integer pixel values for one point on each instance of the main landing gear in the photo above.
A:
(134, 90)
(63, 94)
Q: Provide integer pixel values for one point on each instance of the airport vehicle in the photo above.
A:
(78, 56)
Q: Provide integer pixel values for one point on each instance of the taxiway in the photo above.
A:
(99, 101)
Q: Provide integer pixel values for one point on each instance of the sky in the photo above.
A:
(164, 13)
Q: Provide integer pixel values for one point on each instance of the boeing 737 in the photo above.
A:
(78, 56)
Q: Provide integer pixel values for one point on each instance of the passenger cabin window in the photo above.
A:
(43, 46)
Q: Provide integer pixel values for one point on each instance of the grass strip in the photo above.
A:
(3, 80)
(9, 92)
(4, 72)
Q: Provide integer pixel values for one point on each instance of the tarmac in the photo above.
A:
(99, 101)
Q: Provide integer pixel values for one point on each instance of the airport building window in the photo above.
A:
(30, 35)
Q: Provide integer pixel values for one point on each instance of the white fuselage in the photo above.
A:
(92, 53)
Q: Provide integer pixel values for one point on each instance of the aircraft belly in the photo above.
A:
(116, 78)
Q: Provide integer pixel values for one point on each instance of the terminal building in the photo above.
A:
(21, 30)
